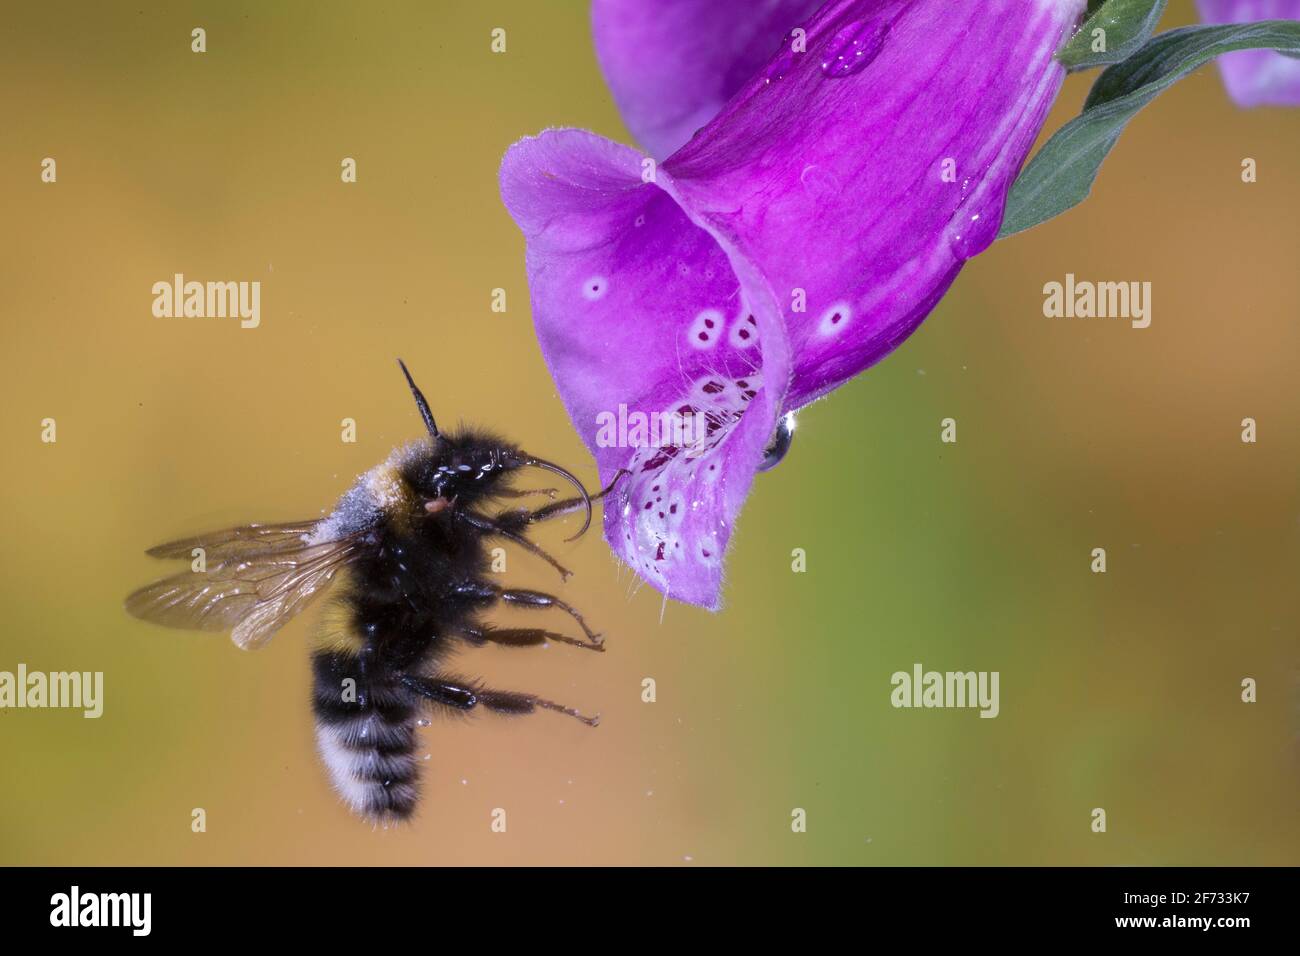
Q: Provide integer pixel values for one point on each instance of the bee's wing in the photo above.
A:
(248, 539)
(254, 582)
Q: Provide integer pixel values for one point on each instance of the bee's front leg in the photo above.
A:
(564, 506)
(509, 525)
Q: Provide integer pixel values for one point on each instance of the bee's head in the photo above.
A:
(468, 465)
(463, 466)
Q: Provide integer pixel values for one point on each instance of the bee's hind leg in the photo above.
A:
(463, 695)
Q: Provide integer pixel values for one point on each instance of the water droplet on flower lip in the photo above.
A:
(780, 444)
(971, 233)
(784, 60)
(853, 47)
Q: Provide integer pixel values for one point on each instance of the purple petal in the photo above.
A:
(864, 173)
(1256, 77)
(672, 64)
(822, 213)
(642, 312)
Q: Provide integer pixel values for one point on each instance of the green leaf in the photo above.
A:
(1125, 26)
(1060, 176)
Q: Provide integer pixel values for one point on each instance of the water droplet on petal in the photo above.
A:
(853, 47)
(780, 444)
(971, 233)
(778, 68)
(782, 63)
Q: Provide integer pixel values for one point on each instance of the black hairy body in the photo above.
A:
(410, 542)
(420, 587)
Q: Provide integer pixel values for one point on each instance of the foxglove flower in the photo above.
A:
(794, 241)
(1256, 77)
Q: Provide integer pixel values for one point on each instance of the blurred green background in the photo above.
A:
(1118, 690)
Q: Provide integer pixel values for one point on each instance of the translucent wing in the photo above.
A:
(257, 577)
(247, 539)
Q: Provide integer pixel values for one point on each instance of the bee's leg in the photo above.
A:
(511, 531)
(564, 506)
(463, 695)
(525, 492)
(515, 702)
(537, 599)
(480, 634)
(483, 592)
(512, 524)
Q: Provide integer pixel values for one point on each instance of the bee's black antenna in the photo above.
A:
(567, 475)
(420, 403)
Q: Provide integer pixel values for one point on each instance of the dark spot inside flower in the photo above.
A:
(672, 509)
(712, 388)
(835, 319)
(744, 333)
(704, 336)
(659, 554)
(708, 323)
(647, 505)
(750, 320)
(750, 393)
(742, 383)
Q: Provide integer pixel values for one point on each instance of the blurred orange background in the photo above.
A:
(1119, 690)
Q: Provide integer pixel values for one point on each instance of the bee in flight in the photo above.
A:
(408, 545)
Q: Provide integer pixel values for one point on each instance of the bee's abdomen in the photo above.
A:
(365, 732)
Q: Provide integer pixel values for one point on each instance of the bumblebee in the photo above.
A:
(405, 557)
